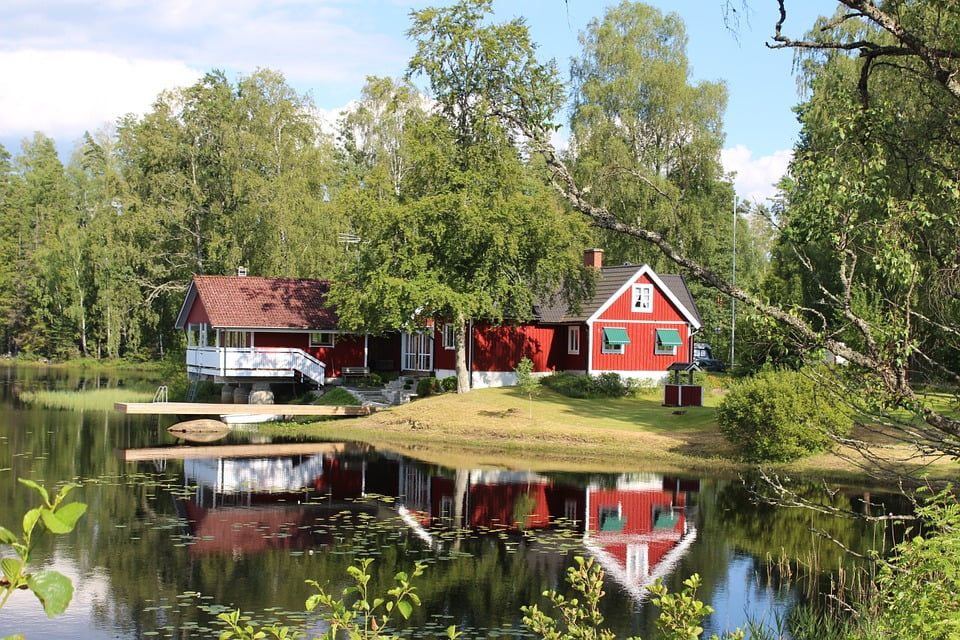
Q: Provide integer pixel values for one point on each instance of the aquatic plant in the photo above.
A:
(103, 399)
(53, 589)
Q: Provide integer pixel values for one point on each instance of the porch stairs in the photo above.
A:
(391, 394)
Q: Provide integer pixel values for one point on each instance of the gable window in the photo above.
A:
(667, 342)
(573, 340)
(449, 336)
(642, 298)
(236, 339)
(322, 339)
(614, 340)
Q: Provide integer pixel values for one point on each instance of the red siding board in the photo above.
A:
(198, 312)
(347, 352)
(641, 327)
(663, 309)
(442, 358)
(501, 348)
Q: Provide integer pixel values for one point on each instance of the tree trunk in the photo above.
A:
(460, 341)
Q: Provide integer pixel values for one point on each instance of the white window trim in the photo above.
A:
(663, 351)
(449, 337)
(573, 340)
(320, 343)
(659, 350)
(611, 349)
(638, 297)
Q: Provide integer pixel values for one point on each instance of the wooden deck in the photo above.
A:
(211, 409)
(180, 452)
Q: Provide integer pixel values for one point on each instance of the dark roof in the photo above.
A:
(261, 303)
(609, 281)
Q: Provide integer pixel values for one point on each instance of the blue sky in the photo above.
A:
(67, 66)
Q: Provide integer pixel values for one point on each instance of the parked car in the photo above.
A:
(711, 364)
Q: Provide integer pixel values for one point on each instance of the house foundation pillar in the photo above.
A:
(226, 393)
(241, 394)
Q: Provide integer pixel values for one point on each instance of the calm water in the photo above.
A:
(169, 540)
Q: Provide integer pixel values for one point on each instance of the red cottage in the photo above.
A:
(636, 324)
(249, 329)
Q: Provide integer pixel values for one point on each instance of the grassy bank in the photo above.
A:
(501, 428)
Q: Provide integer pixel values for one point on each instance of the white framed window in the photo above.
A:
(666, 342)
(193, 334)
(573, 340)
(322, 339)
(449, 336)
(642, 298)
(615, 339)
(236, 339)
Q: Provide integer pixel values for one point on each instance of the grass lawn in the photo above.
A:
(501, 428)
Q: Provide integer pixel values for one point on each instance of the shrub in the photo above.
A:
(917, 589)
(568, 384)
(778, 416)
(338, 396)
(449, 383)
(427, 386)
(604, 385)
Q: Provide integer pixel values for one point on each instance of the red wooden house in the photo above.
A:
(240, 329)
(245, 329)
(636, 324)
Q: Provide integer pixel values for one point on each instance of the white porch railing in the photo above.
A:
(254, 362)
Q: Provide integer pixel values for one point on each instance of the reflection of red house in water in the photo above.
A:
(254, 505)
(501, 500)
(638, 529)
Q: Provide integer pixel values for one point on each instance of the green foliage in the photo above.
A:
(579, 617)
(449, 383)
(605, 385)
(917, 589)
(527, 383)
(367, 617)
(357, 614)
(428, 386)
(53, 589)
(778, 416)
(337, 396)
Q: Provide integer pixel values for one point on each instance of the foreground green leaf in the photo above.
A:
(53, 589)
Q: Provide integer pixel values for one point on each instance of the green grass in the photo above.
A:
(103, 399)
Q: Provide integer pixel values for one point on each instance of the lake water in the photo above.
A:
(173, 537)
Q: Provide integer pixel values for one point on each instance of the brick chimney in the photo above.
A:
(593, 258)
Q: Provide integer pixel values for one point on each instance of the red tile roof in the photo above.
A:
(265, 303)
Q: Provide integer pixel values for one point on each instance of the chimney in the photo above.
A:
(593, 258)
(241, 271)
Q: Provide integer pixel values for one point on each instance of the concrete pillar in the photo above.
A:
(241, 394)
(226, 393)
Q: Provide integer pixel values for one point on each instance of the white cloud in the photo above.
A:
(755, 178)
(63, 93)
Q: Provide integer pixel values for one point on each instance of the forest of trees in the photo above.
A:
(97, 252)
(456, 204)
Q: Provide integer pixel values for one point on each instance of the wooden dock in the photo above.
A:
(231, 451)
(211, 409)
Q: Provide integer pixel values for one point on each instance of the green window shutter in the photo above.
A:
(669, 338)
(616, 335)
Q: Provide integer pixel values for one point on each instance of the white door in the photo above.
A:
(418, 351)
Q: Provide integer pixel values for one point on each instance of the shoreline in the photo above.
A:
(500, 428)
